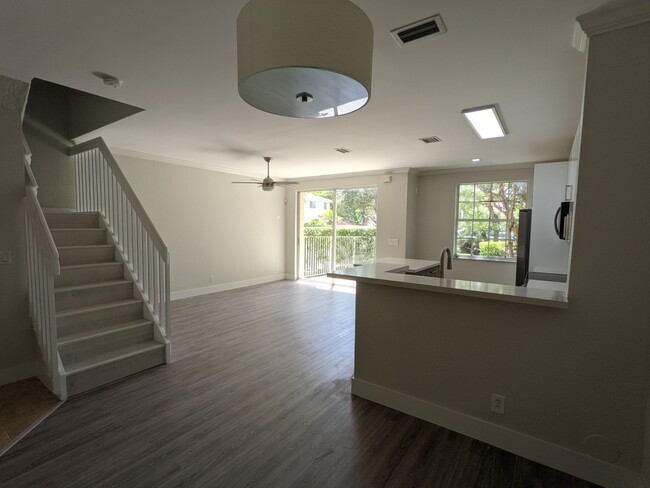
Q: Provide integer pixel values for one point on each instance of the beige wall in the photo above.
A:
(412, 215)
(392, 219)
(436, 207)
(17, 344)
(211, 227)
(568, 375)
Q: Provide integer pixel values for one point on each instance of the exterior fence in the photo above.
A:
(350, 250)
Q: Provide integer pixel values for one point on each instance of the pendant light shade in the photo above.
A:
(304, 58)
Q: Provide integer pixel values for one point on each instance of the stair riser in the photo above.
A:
(81, 276)
(86, 256)
(89, 348)
(92, 296)
(72, 220)
(80, 382)
(96, 320)
(81, 237)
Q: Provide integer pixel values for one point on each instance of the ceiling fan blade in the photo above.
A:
(286, 183)
(246, 182)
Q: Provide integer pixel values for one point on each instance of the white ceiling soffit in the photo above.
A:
(179, 63)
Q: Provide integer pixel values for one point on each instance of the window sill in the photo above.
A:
(486, 259)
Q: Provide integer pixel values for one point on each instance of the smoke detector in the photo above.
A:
(112, 81)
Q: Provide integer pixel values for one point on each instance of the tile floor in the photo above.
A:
(22, 404)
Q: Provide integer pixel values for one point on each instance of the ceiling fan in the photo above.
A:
(267, 183)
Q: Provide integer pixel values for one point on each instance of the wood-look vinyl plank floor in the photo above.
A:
(258, 395)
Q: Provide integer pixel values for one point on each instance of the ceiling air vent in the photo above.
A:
(419, 30)
(431, 139)
(342, 150)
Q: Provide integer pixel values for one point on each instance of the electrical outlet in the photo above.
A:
(498, 404)
(5, 257)
(393, 242)
(211, 279)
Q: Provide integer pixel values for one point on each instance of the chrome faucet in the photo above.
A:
(442, 261)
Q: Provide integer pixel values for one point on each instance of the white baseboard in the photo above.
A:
(194, 292)
(17, 373)
(538, 450)
(290, 277)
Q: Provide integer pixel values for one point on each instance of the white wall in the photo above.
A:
(211, 227)
(391, 213)
(17, 343)
(548, 253)
(436, 204)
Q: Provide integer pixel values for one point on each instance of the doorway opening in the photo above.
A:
(337, 229)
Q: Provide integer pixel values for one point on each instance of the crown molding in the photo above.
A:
(615, 15)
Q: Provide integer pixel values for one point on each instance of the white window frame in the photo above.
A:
(457, 220)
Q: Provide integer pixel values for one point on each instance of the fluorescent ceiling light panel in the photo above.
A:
(485, 121)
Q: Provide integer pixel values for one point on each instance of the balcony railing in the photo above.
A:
(350, 250)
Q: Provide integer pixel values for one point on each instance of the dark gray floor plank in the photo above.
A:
(258, 395)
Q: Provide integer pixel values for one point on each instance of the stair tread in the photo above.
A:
(90, 265)
(111, 356)
(85, 246)
(77, 229)
(109, 329)
(93, 308)
(87, 286)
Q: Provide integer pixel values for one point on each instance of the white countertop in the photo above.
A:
(411, 265)
(391, 274)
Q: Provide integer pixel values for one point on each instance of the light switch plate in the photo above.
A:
(5, 257)
(393, 242)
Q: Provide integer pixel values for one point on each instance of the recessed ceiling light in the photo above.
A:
(476, 160)
(485, 121)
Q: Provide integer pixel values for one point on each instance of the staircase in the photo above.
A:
(101, 327)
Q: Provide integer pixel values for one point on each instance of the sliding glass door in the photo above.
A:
(338, 228)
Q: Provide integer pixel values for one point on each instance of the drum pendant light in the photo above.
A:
(304, 58)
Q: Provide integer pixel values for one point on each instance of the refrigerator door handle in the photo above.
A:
(556, 222)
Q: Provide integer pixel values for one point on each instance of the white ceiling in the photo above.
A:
(178, 62)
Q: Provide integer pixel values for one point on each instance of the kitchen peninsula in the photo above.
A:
(409, 273)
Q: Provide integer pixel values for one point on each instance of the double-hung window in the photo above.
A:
(487, 218)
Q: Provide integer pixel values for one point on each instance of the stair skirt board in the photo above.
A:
(79, 381)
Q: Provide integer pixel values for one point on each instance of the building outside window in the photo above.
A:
(487, 219)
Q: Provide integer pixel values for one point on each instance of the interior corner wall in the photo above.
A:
(411, 215)
(436, 204)
(46, 129)
(391, 213)
(646, 453)
(17, 342)
(234, 233)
